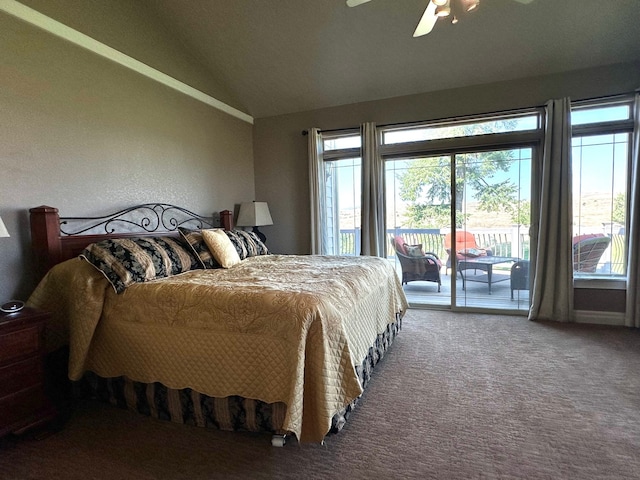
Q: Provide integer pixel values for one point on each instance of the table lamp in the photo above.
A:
(254, 214)
(3, 230)
(12, 305)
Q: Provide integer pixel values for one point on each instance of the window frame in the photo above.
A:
(486, 141)
(338, 154)
(610, 127)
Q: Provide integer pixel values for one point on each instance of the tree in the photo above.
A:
(522, 215)
(619, 214)
(426, 184)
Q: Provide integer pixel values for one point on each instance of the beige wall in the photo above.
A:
(88, 136)
(131, 27)
(281, 151)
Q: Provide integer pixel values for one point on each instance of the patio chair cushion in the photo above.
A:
(472, 252)
(414, 250)
(398, 243)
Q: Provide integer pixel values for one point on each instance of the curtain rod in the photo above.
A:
(398, 124)
(306, 132)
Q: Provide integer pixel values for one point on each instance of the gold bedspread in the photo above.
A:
(276, 328)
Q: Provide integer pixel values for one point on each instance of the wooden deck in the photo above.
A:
(475, 297)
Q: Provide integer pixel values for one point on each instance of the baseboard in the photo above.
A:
(600, 318)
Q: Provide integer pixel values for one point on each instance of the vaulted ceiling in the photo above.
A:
(284, 56)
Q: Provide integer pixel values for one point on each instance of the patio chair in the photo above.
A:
(417, 265)
(587, 251)
(519, 276)
(466, 246)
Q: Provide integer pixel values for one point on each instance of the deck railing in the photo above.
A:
(502, 242)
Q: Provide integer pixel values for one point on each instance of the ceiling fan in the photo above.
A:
(438, 9)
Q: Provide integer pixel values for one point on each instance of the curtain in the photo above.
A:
(552, 269)
(372, 222)
(632, 319)
(317, 189)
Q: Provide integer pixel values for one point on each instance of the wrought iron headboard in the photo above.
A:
(55, 239)
(147, 218)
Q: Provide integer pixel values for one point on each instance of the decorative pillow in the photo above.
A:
(472, 252)
(255, 246)
(221, 247)
(199, 247)
(414, 250)
(124, 261)
(398, 243)
(247, 244)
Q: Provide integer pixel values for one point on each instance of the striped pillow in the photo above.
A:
(247, 244)
(125, 261)
(199, 247)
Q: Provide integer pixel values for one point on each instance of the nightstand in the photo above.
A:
(23, 400)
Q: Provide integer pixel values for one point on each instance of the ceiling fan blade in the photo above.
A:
(428, 20)
(355, 3)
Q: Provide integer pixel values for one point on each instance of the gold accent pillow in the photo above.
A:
(221, 247)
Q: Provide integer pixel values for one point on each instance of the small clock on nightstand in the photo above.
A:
(23, 400)
(12, 306)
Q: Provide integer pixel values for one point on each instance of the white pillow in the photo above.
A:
(221, 247)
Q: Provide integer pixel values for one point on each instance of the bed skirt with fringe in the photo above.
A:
(230, 413)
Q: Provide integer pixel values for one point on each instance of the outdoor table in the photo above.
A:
(484, 264)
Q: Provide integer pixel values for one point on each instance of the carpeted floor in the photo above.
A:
(456, 397)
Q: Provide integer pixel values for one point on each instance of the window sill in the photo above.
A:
(600, 283)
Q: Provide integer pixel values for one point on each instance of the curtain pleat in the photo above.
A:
(372, 222)
(316, 189)
(552, 268)
(632, 319)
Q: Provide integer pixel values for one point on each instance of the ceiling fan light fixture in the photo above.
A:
(443, 11)
(470, 4)
(438, 9)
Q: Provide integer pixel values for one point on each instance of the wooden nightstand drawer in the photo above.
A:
(23, 401)
(19, 376)
(22, 405)
(19, 343)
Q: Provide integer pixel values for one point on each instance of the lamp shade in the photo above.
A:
(254, 214)
(3, 230)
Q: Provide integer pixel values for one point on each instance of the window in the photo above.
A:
(342, 193)
(601, 155)
(463, 128)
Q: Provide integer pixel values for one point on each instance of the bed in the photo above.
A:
(277, 343)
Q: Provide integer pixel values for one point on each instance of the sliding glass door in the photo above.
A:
(418, 214)
(491, 217)
(457, 206)
(472, 211)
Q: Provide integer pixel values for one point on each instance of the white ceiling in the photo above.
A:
(285, 56)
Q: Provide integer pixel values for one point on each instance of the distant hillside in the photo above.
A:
(594, 211)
